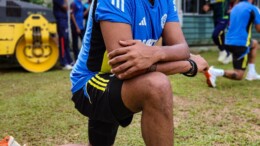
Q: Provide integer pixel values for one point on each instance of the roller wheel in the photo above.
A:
(38, 58)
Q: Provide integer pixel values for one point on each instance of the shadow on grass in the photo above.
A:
(16, 68)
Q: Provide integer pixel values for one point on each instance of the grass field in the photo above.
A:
(36, 109)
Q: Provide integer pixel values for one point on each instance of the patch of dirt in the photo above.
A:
(181, 109)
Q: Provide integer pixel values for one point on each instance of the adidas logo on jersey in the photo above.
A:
(143, 22)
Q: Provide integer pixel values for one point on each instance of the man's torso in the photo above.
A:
(78, 12)
(147, 22)
(243, 16)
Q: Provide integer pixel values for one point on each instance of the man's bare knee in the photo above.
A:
(160, 91)
(238, 75)
(254, 44)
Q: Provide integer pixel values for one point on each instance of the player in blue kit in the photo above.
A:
(238, 41)
(119, 71)
(77, 25)
(60, 8)
(220, 10)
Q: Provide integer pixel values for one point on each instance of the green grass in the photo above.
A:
(36, 109)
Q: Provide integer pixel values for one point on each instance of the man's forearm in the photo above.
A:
(168, 68)
(174, 67)
(174, 53)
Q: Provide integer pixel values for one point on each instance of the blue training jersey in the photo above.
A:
(242, 17)
(77, 9)
(147, 22)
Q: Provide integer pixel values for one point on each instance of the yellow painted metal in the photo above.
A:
(37, 59)
(32, 22)
(9, 35)
(32, 41)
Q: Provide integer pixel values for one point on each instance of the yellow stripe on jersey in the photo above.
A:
(105, 68)
(96, 86)
(98, 82)
(101, 79)
(249, 35)
(245, 61)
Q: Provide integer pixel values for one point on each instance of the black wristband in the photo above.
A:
(152, 68)
(193, 70)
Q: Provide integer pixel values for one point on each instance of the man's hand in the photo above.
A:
(202, 64)
(134, 56)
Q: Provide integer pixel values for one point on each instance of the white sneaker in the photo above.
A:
(211, 78)
(228, 59)
(222, 56)
(252, 76)
(67, 67)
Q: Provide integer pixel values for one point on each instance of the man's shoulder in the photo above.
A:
(118, 3)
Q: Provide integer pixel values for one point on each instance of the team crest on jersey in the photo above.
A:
(163, 20)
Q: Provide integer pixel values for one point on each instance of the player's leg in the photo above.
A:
(235, 74)
(101, 133)
(61, 35)
(92, 101)
(67, 46)
(253, 51)
(218, 37)
(75, 38)
(152, 94)
(252, 74)
(239, 63)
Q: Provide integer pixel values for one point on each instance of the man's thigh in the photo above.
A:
(135, 91)
(240, 56)
(101, 100)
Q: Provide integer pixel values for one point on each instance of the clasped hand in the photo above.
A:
(201, 62)
(132, 57)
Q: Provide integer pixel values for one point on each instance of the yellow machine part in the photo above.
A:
(37, 59)
(36, 51)
(9, 35)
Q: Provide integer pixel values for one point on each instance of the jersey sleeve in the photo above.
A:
(257, 15)
(114, 11)
(172, 12)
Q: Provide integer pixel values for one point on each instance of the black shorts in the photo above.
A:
(240, 56)
(103, 106)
